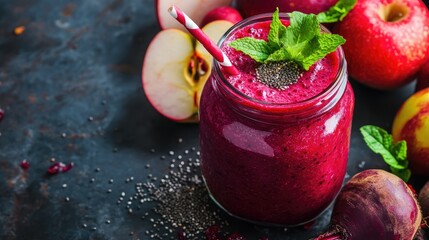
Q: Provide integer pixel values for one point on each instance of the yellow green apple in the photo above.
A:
(411, 124)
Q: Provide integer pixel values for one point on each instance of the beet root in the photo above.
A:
(424, 200)
(374, 204)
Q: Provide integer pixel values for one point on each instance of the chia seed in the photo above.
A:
(278, 75)
(182, 202)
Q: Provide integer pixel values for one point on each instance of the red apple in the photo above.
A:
(195, 9)
(252, 7)
(387, 41)
(411, 124)
(423, 77)
(227, 13)
(175, 70)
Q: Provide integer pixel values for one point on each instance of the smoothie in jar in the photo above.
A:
(275, 155)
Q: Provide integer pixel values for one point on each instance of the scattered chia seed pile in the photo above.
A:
(278, 75)
(183, 206)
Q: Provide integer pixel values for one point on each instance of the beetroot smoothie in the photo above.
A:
(275, 156)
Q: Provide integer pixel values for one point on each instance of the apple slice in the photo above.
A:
(164, 77)
(174, 72)
(195, 9)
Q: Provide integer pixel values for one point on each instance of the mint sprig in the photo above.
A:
(302, 42)
(337, 12)
(394, 154)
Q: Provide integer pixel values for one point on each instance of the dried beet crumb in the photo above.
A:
(59, 167)
(1, 114)
(213, 233)
(181, 235)
(24, 164)
(236, 236)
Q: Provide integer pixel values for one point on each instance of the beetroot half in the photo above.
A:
(374, 204)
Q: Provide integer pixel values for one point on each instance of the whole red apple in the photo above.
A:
(226, 13)
(252, 7)
(387, 41)
(423, 77)
(195, 9)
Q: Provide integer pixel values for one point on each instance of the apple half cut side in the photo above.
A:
(195, 9)
(163, 74)
(175, 71)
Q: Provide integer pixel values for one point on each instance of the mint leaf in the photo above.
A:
(394, 154)
(381, 142)
(327, 43)
(337, 12)
(400, 150)
(257, 49)
(301, 42)
(277, 31)
(303, 27)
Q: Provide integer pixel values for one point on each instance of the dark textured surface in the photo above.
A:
(82, 59)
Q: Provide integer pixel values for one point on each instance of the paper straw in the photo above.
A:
(203, 39)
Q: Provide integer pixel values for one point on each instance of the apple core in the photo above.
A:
(275, 156)
(394, 12)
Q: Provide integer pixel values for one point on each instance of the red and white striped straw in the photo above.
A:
(195, 31)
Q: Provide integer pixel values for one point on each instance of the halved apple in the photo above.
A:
(175, 69)
(195, 9)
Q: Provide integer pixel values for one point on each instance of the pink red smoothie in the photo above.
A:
(276, 172)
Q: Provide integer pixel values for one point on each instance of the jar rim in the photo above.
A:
(340, 75)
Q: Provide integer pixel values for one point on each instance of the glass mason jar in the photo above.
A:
(274, 163)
